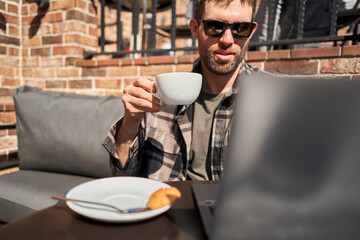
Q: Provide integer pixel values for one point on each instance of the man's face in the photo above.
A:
(223, 55)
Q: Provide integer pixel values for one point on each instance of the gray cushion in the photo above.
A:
(62, 132)
(27, 191)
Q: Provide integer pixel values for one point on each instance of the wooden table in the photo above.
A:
(60, 222)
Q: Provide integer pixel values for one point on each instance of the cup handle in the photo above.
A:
(156, 94)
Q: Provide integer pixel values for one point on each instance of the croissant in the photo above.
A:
(163, 197)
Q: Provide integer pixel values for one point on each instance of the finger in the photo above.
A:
(139, 92)
(136, 105)
(146, 84)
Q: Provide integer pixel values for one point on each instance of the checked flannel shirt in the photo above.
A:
(161, 149)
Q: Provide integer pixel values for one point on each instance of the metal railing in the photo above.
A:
(338, 19)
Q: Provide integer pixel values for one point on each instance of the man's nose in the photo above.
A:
(227, 38)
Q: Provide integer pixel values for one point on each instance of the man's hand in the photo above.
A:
(138, 99)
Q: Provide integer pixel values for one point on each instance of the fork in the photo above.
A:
(124, 211)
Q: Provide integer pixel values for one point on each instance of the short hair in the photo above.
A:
(200, 6)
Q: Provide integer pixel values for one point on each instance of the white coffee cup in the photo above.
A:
(178, 88)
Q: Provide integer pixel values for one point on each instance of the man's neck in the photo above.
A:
(216, 83)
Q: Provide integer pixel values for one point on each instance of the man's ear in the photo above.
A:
(254, 30)
(194, 27)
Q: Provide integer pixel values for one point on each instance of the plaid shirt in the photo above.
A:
(161, 149)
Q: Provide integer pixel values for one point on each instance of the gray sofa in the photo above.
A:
(60, 139)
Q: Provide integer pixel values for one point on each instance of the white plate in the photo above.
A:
(123, 192)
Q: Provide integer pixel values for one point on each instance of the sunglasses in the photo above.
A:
(217, 28)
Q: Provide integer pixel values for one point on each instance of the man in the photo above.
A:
(169, 143)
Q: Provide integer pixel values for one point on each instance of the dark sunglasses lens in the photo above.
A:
(242, 30)
(214, 28)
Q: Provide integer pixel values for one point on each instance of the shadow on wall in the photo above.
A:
(43, 6)
(94, 5)
(2, 22)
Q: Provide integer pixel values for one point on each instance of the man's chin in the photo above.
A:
(223, 68)
(222, 71)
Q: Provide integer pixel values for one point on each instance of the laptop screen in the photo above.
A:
(293, 164)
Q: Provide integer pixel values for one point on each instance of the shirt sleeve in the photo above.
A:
(131, 167)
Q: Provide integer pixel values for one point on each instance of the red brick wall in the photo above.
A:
(53, 39)
(111, 75)
(10, 49)
(39, 47)
(10, 55)
(8, 140)
(44, 48)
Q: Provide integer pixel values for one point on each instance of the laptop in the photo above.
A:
(292, 169)
(206, 198)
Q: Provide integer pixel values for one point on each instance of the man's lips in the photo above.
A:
(224, 55)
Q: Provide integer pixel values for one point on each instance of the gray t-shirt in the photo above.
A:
(204, 108)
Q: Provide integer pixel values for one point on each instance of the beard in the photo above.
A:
(220, 67)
